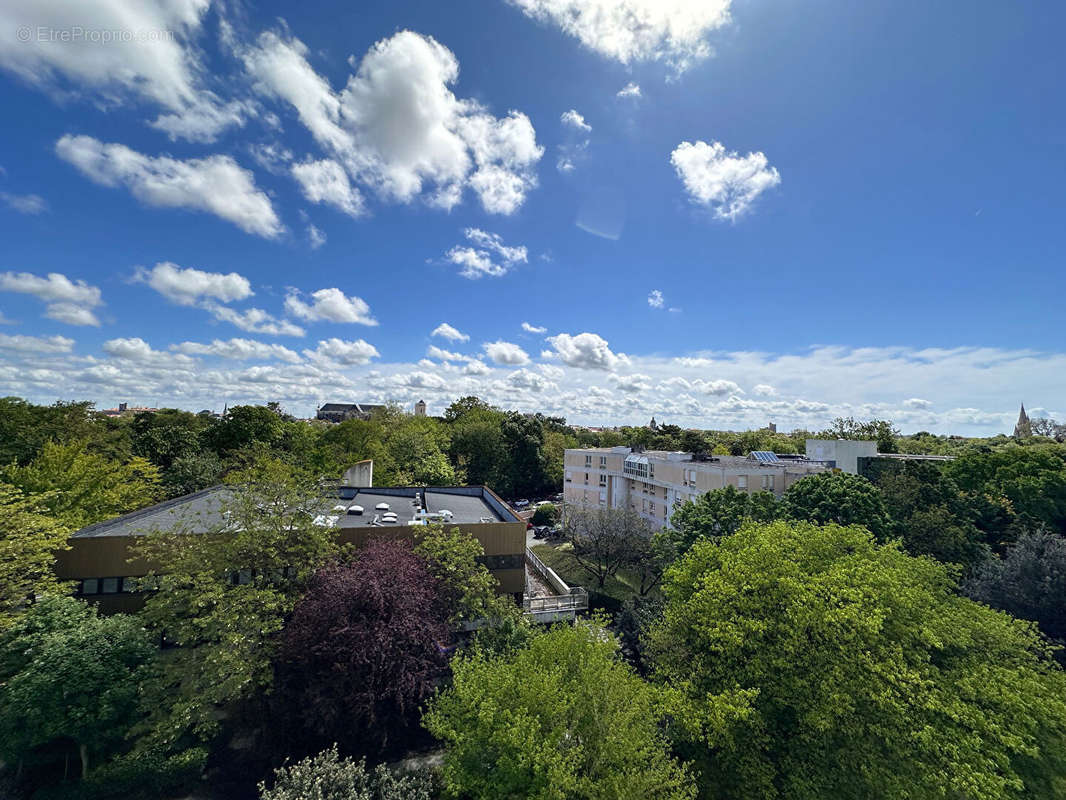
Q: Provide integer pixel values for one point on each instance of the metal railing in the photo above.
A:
(566, 604)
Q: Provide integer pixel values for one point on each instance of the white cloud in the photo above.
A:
(572, 119)
(253, 320)
(36, 344)
(506, 353)
(326, 182)
(67, 301)
(398, 129)
(343, 352)
(490, 256)
(655, 299)
(533, 328)
(239, 350)
(918, 404)
(446, 331)
(24, 203)
(629, 90)
(586, 351)
(445, 355)
(137, 350)
(526, 379)
(315, 237)
(764, 390)
(725, 182)
(271, 156)
(149, 54)
(671, 31)
(476, 367)
(573, 149)
(188, 286)
(215, 184)
(632, 384)
(330, 305)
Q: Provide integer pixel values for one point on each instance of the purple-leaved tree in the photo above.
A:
(365, 647)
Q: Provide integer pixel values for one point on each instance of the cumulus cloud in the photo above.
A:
(527, 379)
(398, 129)
(572, 119)
(330, 305)
(159, 64)
(655, 299)
(238, 350)
(24, 203)
(918, 404)
(326, 181)
(533, 328)
(488, 255)
(671, 31)
(506, 353)
(188, 286)
(725, 182)
(629, 90)
(573, 149)
(764, 390)
(253, 320)
(446, 331)
(138, 350)
(215, 184)
(36, 344)
(476, 367)
(343, 352)
(585, 351)
(67, 301)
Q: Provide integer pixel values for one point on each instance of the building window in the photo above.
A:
(90, 586)
(651, 509)
(586, 479)
(109, 586)
(768, 483)
(603, 480)
(742, 481)
(603, 461)
(588, 460)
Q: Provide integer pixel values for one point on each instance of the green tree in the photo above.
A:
(79, 487)
(811, 662)
(838, 497)
(563, 717)
(245, 427)
(719, 512)
(546, 514)
(167, 435)
(29, 540)
(1032, 478)
(25, 428)
(327, 776)
(67, 673)
(468, 588)
(880, 430)
(223, 595)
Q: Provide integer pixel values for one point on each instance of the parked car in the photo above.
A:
(557, 498)
(541, 531)
(520, 503)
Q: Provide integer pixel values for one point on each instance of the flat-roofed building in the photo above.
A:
(653, 482)
(99, 558)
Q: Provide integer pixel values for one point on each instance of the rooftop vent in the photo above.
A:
(355, 511)
(382, 507)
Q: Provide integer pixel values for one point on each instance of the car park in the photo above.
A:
(520, 503)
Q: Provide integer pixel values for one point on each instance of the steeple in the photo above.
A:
(1023, 429)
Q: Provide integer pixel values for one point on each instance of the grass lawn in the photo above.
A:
(620, 586)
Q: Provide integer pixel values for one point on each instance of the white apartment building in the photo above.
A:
(653, 482)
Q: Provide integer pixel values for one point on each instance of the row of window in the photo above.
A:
(92, 586)
(767, 482)
(588, 460)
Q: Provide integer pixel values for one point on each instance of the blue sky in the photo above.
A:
(801, 211)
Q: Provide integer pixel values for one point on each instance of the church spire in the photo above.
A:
(1023, 429)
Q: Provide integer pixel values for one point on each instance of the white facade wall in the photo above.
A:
(845, 452)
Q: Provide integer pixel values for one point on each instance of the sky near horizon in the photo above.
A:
(719, 213)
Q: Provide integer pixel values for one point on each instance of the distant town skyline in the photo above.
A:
(729, 214)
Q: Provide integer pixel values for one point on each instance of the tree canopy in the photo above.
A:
(838, 497)
(562, 717)
(811, 662)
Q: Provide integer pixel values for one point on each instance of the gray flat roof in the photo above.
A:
(468, 504)
(194, 513)
(202, 511)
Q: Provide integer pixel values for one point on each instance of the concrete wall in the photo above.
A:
(845, 452)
